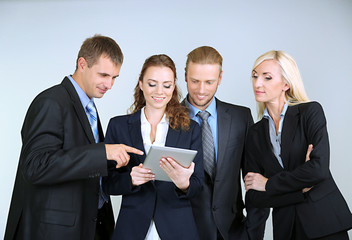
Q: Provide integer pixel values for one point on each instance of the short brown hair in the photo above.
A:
(204, 55)
(93, 48)
(177, 113)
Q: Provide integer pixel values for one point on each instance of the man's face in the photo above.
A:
(100, 77)
(202, 82)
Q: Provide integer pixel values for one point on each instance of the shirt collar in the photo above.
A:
(164, 119)
(282, 114)
(194, 110)
(82, 95)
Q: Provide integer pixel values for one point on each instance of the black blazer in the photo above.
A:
(56, 189)
(220, 204)
(161, 201)
(322, 211)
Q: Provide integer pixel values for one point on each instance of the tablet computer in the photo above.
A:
(183, 156)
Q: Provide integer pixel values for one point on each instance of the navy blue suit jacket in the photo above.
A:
(161, 201)
(323, 210)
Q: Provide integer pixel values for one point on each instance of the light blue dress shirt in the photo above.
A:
(81, 94)
(84, 101)
(212, 120)
(276, 139)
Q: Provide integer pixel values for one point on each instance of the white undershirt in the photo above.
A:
(160, 139)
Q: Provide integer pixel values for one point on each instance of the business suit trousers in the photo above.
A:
(299, 234)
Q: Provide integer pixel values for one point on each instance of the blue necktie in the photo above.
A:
(93, 120)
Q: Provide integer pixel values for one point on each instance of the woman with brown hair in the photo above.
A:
(153, 209)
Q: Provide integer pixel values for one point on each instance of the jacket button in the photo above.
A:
(95, 219)
(214, 208)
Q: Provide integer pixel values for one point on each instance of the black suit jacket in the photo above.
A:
(56, 189)
(322, 211)
(220, 204)
(161, 201)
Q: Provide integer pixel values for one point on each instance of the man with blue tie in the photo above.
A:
(218, 209)
(57, 192)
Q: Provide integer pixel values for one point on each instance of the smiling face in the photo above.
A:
(268, 85)
(158, 84)
(202, 82)
(99, 78)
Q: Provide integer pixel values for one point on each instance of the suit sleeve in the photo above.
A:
(43, 157)
(263, 199)
(118, 181)
(311, 172)
(256, 217)
(197, 178)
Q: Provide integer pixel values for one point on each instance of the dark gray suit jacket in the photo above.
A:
(322, 210)
(219, 207)
(57, 183)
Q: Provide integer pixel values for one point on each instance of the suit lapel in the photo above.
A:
(172, 137)
(81, 114)
(288, 133)
(134, 129)
(224, 125)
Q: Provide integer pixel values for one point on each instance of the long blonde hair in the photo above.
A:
(290, 75)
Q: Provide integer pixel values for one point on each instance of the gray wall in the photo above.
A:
(39, 41)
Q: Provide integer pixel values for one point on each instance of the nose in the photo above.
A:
(108, 83)
(202, 87)
(257, 82)
(159, 89)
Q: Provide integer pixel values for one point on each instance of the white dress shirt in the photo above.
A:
(160, 139)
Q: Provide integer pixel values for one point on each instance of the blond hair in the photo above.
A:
(204, 55)
(290, 75)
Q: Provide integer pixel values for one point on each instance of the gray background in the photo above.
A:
(39, 41)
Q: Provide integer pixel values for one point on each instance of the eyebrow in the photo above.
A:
(205, 80)
(153, 80)
(106, 74)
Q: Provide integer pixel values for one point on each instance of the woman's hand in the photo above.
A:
(141, 175)
(255, 181)
(178, 174)
(310, 149)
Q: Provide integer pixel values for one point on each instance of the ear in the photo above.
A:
(140, 85)
(185, 74)
(82, 64)
(220, 78)
(286, 87)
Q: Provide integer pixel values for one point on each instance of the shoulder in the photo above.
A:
(54, 97)
(237, 112)
(309, 109)
(232, 107)
(125, 119)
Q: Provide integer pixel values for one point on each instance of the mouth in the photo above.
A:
(158, 99)
(201, 97)
(258, 92)
(103, 91)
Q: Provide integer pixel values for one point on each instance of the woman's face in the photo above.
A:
(157, 85)
(268, 85)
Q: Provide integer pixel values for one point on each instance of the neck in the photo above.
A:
(275, 109)
(153, 116)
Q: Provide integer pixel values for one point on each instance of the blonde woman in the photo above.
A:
(281, 173)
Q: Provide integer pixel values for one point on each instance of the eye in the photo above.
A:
(194, 81)
(151, 85)
(268, 78)
(209, 82)
(167, 86)
(254, 76)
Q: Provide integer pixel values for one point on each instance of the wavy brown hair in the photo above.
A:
(177, 113)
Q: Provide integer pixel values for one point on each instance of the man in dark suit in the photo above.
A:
(57, 192)
(218, 209)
